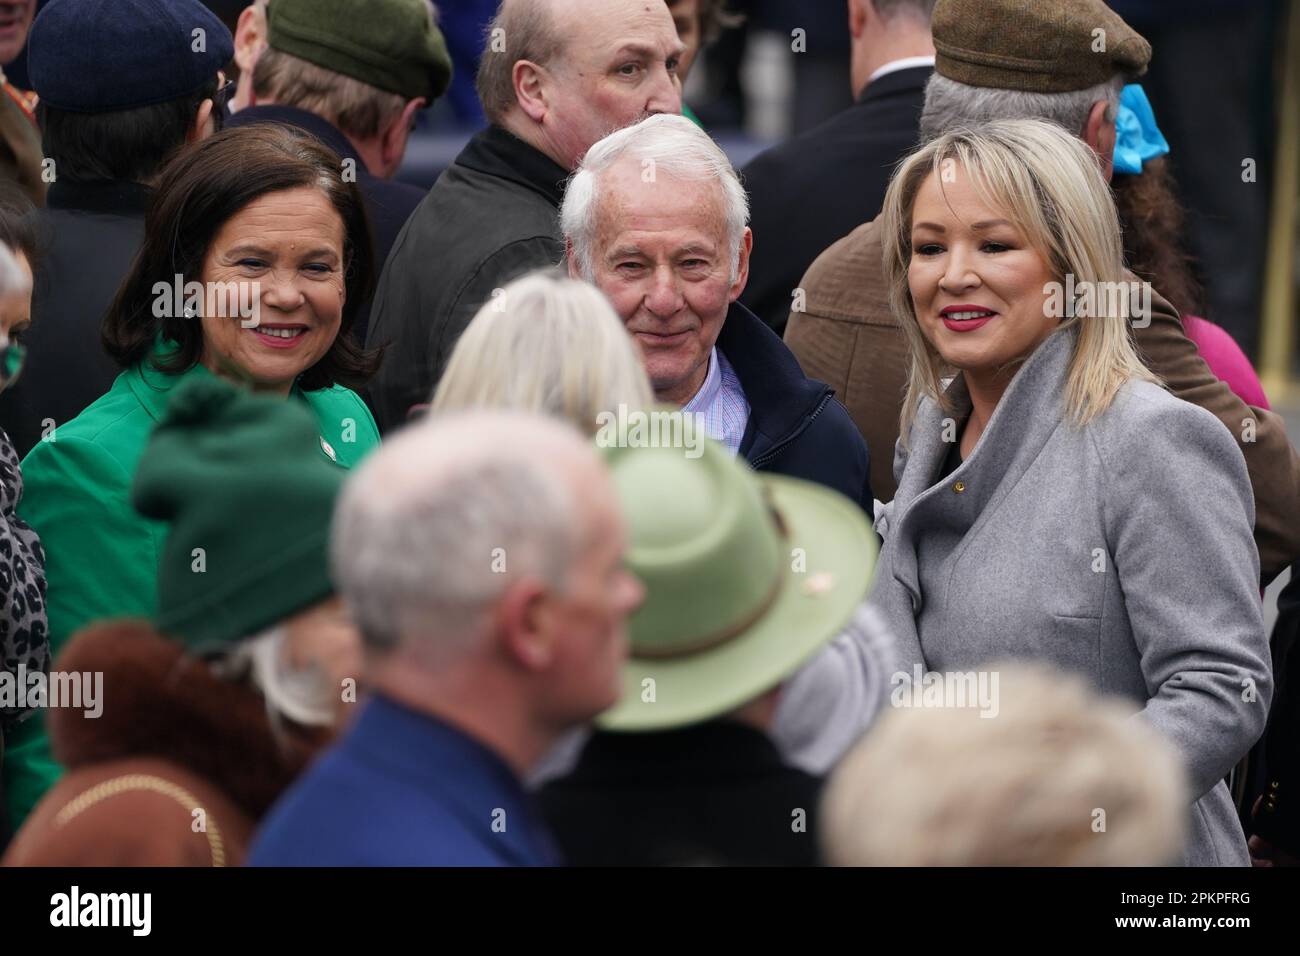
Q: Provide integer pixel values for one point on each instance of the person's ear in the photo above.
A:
(202, 126)
(523, 622)
(742, 269)
(392, 141)
(250, 39)
(571, 259)
(858, 17)
(1099, 134)
(530, 89)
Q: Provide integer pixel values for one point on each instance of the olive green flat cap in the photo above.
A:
(390, 44)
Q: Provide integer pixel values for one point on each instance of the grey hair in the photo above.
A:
(950, 105)
(421, 532)
(302, 695)
(668, 144)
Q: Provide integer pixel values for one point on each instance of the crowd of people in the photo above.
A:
(881, 503)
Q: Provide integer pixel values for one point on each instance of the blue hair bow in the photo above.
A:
(1137, 138)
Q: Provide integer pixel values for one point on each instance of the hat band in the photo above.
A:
(707, 641)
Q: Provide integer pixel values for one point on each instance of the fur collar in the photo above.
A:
(157, 701)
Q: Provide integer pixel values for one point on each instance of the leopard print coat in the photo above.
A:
(24, 639)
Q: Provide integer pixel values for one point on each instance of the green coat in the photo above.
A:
(101, 555)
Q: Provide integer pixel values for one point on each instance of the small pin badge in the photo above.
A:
(325, 447)
(818, 584)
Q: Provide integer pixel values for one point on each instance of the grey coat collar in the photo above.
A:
(1030, 412)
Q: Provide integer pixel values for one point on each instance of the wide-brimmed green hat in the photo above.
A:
(746, 576)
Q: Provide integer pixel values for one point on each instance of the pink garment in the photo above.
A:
(1226, 360)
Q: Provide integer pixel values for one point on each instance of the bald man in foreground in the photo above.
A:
(555, 77)
(481, 556)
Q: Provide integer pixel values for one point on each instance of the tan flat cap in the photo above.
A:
(1036, 46)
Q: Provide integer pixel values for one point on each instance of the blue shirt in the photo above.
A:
(404, 789)
(721, 402)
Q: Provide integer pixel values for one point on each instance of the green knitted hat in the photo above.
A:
(248, 495)
(391, 44)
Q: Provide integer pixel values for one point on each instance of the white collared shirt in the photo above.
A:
(906, 63)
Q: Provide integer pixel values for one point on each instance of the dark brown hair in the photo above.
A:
(1152, 221)
(122, 144)
(198, 191)
(19, 228)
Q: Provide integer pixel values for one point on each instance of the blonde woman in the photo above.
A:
(547, 344)
(1054, 501)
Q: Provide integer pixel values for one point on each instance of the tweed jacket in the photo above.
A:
(849, 339)
(1121, 551)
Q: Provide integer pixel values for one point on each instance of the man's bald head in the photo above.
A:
(521, 30)
(440, 522)
(562, 74)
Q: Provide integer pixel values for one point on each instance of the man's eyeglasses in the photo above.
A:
(221, 102)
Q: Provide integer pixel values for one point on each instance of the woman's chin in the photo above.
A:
(270, 375)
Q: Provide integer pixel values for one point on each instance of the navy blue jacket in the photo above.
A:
(796, 425)
(404, 789)
(389, 204)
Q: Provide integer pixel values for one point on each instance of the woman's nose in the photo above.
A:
(280, 291)
(959, 273)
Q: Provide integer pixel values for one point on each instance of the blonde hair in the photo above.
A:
(546, 344)
(1058, 776)
(1050, 185)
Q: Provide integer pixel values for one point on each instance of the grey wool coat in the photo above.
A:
(1166, 614)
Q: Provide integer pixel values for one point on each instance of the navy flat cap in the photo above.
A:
(95, 56)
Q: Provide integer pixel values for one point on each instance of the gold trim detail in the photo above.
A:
(139, 781)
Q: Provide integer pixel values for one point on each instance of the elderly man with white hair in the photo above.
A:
(656, 218)
(481, 555)
(555, 76)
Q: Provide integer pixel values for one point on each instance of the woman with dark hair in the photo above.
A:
(255, 257)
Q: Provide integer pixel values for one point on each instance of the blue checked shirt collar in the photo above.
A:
(721, 403)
